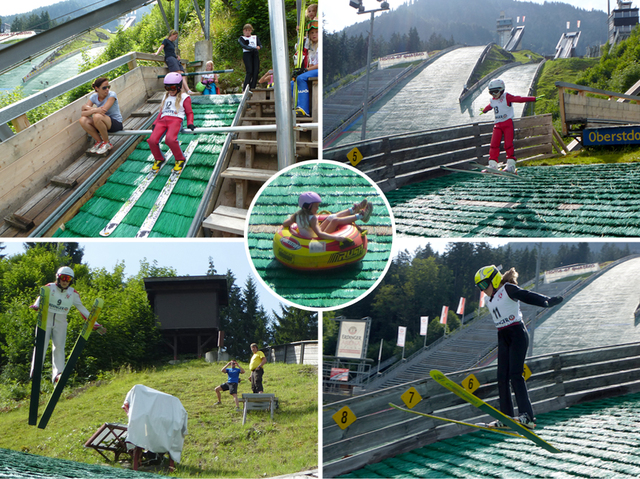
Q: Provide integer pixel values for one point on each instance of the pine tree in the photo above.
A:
(294, 324)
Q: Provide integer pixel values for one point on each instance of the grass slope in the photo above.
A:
(217, 443)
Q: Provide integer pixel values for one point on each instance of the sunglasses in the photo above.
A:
(65, 277)
(495, 92)
(171, 87)
(105, 87)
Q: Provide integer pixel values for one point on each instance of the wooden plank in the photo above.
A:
(227, 224)
(232, 212)
(251, 174)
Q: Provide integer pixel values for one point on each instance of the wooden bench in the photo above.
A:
(227, 219)
(258, 402)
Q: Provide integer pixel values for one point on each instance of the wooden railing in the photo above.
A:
(398, 160)
(558, 380)
(581, 110)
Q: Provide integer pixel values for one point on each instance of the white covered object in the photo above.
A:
(157, 421)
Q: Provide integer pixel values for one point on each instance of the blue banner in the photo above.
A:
(625, 135)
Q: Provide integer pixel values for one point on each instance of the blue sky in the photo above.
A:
(188, 257)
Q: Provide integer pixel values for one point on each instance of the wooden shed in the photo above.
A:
(188, 310)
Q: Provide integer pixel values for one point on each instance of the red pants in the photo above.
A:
(172, 125)
(503, 128)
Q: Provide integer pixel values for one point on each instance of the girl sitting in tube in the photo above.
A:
(307, 220)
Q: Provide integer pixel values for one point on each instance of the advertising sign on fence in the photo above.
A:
(351, 339)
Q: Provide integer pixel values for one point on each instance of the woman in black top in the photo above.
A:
(172, 59)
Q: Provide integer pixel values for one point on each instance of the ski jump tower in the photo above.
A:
(621, 22)
(504, 27)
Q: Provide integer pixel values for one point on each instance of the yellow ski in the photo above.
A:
(462, 423)
(491, 411)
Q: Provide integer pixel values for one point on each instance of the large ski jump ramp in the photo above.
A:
(599, 315)
(429, 99)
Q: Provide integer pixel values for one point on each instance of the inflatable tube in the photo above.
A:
(311, 254)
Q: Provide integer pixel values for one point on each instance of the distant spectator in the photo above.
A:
(209, 80)
(309, 70)
(101, 116)
(233, 371)
(258, 360)
(172, 59)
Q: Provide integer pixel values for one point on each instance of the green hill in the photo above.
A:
(217, 444)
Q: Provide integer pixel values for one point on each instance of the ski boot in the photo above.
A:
(157, 164)
(511, 166)
(526, 421)
(179, 165)
(493, 165)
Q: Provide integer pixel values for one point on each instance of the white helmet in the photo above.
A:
(496, 85)
(65, 270)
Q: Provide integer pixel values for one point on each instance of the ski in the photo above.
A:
(481, 170)
(38, 354)
(135, 196)
(83, 337)
(462, 423)
(491, 411)
(493, 171)
(161, 201)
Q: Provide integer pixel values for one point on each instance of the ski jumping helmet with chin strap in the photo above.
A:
(496, 86)
(488, 275)
(63, 273)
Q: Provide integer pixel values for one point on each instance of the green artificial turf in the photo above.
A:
(339, 188)
(553, 201)
(179, 211)
(595, 439)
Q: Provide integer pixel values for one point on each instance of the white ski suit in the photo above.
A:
(60, 301)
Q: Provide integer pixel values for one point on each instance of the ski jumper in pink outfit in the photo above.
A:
(170, 121)
(503, 126)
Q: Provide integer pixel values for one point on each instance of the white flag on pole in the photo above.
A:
(482, 296)
(424, 324)
(460, 309)
(402, 332)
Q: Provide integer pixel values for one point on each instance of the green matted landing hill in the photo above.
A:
(19, 465)
(178, 214)
(550, 201)
(599, 439)
(339, 187)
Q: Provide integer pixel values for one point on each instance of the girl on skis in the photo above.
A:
(173, 109)
(62, 296)
(307, 220)
(513, 340)
(502, 105)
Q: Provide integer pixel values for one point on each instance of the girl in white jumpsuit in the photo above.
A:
(62, 296)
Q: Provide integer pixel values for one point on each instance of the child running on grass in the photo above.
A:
(307, 220)
(175, 106)
(502, 105)
(513, 340)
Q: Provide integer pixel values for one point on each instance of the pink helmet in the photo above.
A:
(173, 78)
(308, 198)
